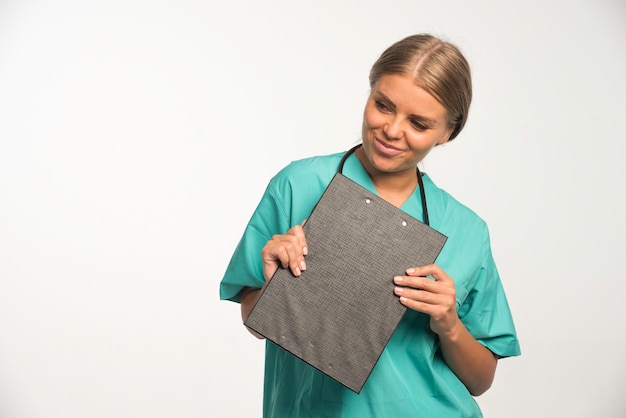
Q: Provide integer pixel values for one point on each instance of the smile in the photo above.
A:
(386, 149)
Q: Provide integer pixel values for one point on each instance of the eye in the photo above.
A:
(380, 105)
(418, 126)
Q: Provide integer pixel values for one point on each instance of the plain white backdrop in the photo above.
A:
(136, 138)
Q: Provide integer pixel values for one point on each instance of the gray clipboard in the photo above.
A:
(340, 313)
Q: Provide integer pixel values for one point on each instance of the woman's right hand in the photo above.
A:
(287, 250)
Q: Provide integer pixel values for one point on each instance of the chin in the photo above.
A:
(385, 165)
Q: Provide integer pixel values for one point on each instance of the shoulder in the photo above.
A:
(297, 187)
(318, 164)
(449, 213)
(307, 171)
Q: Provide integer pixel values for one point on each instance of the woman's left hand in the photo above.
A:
(471, 361)
(436, 298)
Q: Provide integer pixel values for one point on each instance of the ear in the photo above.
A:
(446, 136)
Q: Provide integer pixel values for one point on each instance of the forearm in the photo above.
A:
(473, 363)
(249, 297)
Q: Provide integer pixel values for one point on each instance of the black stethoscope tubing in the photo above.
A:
(419, 181)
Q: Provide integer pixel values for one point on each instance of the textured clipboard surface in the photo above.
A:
(340, 313)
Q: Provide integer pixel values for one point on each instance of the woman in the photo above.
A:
(458, 323)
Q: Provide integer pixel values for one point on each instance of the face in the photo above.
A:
(401, 124)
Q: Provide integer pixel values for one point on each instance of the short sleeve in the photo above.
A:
(485, 312)
(245, 268)
(288, 200)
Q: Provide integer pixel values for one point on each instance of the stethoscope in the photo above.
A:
(419, 181)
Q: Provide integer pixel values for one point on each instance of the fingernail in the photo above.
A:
(409, 271)
(305, 250)
(297, 272)
(398, 290)
(402, 299)
(302, 265)
(397, 279)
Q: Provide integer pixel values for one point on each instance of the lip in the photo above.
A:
(385, 149)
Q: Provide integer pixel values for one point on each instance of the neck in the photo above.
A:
(394, 187)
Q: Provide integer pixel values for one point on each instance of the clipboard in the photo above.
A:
(339, 314)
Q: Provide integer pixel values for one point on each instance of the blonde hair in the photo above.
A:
(437, 66)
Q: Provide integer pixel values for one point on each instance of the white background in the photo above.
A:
(136, 138)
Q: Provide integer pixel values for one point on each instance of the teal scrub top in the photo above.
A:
(411, 378)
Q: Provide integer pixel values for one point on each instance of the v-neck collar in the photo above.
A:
(354, 170)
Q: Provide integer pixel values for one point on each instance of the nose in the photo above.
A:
(393, 128)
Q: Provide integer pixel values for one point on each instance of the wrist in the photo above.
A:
(453, 333)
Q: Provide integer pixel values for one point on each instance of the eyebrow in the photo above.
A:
(420, 118)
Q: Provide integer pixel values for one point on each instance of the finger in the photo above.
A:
(416, 304)
(440, 314)
(415, 282)
(286, 251)
(432, 270)
(296, 247)
(425, 284)
(295, 255)
(271, 260)
(298, 233)
(423, 296)
(440, 307)
(285, 254)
